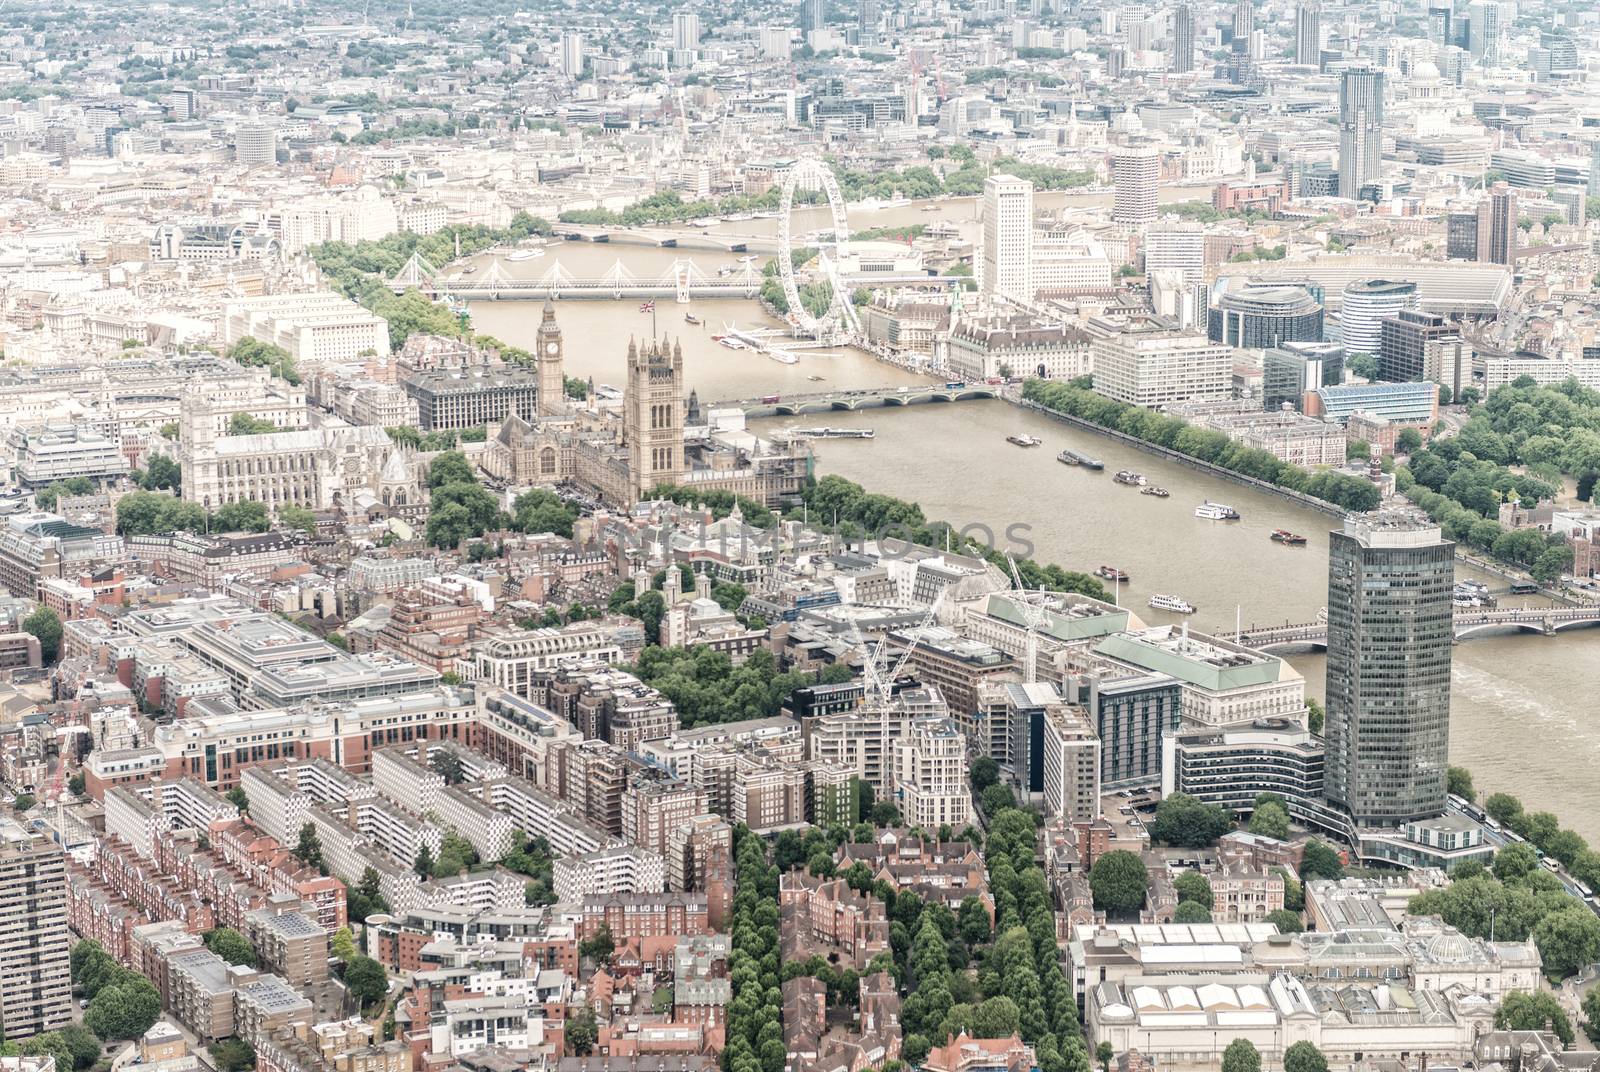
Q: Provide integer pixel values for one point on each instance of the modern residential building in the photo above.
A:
(1071, 764)
(1182, 61)
(1308, 33)
(1390, 578)
(1136, 176)
(1497, 225)
(35, 977)
(930, 775)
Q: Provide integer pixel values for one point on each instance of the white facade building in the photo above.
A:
(1155, 366)
(1007, 268)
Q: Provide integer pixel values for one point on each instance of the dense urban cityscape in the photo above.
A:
(841, 536)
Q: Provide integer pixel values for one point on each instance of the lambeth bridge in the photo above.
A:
(849, 401)
(1547, 621)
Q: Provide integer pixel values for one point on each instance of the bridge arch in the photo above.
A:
(1514, 624)
(1576, 623)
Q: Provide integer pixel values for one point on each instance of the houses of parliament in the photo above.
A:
(658, 436)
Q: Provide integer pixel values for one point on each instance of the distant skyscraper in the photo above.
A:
(1008, 237)
(1244, 19)
(1497, 226)
(1182, 39)
(1594, 169)
(1136, 175)
(686, 30)
(1360, 129)
(1308, 33)
(813, 14)
(1483, 29)
(35, 977)
(572, 54)
(1388, 688)
(1440, 30)
(867, 14)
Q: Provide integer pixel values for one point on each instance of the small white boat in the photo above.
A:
(783, 357)
(1175, 604)
(526, 254)
(1023, 439)
(1211, 511)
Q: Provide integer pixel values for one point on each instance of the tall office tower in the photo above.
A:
(255, 144)
(35, 976)
(1182, 40)
(813, 15)
(1364, 304)
(686, 30)
(1483, 31)
(1360, 129)
(1176, 247)
(1497, 225)
(1244, 19)
(867, 14)
(1594, 169)
(1388, 694)
(572, 54)
(1440, 30)
(1008, 237)
(1136, 174)
(1308, 33)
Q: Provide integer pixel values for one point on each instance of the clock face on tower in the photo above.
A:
(552, 348)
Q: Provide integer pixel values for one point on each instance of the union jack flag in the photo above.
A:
(647, 307)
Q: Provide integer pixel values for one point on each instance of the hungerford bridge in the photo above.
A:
(1547, 621)
(682, 282)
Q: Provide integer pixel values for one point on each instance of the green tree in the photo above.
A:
(1192, 886)
(297, 517)
(1104, 1053)
(599, 945)
(449, 766)
(1287, 922)
(76, 784)
(1408, 441)
(1568, 940)
(245, 424)
(366, 980)
(451, 467)
(84, 1044)
(308, 849)
(985, 772)
(1320, 861)
(1591, 1014)
(237, 797)
(1270, 820)
(1118, 879)
(1535, 1010)
(1182, 820)
(1191, 912)
(1315, 716)
(581, 1033)
(51, 1044)
(245, 516)
(1241, 1056)
(1504, 809)
(45, 624)
(232, 1055)
(343, 945)
(231, 946)
(1302, 1056)
(1459, 782)
(162, 473)
(23, 802)
(1514, 861)
(424, 863)
(124, 1009)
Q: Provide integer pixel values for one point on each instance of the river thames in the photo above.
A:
(1518, 700)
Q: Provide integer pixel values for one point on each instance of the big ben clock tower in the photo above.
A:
(552, 379)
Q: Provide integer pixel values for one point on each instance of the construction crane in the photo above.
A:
(879, 680)
(1034, 615)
